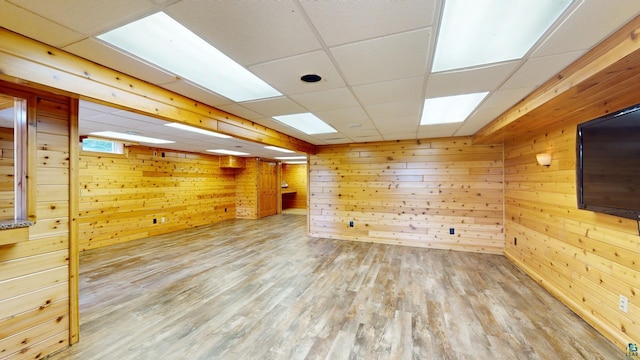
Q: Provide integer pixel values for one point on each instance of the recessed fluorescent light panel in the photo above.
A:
(483, 32)
(228, 152)
(164, 42)
(296, 162)
(198, 130)
(450, 109)
(291, 158)
(305, 122)
(275, 148)
(131, 137)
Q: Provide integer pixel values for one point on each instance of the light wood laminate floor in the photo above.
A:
(262, 289)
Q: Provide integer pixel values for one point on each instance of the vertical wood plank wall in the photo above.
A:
(410, 193)
(247, 190)
(121, 196)
(296, 177)
(585, 259)
(7, 179)
(34, 301)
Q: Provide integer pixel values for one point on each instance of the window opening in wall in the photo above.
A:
(13, 158)
(103, 146)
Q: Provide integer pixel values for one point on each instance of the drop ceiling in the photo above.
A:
(374, 58)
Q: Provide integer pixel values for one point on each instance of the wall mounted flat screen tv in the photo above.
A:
(608, 164)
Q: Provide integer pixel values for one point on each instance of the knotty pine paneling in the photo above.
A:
(7, 179)
(121, 196)
(34, 274)
(296, 177)
(585, 259)
(410, 193)
(247, 190)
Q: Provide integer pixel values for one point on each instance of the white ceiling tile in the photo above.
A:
(327, 100)
(284, 74)
(386, 58)
(588, 24)
(469, 81)
(494, 105)
(360, 132)
(98, 52)
(88, 113)
(504, 99)
(396, 124)
(143, 119)
(382, 48)
(477, 121)
(87, 16)
(343, 22)
(195, 92)
(366, 136)
(439, 130)
(249, 32)
(86, 126)
(274, 106)
(536, 71)
(390, 91)
(278, 126)
(26, 23)
(390, 110)
(345, 119)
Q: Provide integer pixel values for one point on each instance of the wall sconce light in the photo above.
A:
(544, 159)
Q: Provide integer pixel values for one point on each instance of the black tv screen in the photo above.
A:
(608, 164)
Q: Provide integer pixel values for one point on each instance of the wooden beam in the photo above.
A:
(615, 56)
(74, 248)
(32, 61)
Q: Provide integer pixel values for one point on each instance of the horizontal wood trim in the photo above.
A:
(36, 62)
(579, 90)
(12, 236)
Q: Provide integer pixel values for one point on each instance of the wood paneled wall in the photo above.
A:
(585, 259)
(410, 193)
(34, 274)
(122, 195)
(296, 177)
(247, 190)
(7, 179)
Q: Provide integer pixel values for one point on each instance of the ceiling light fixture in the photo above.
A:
(130, 137)
(483, 32)
(450, 109)
(228, 152)
(164, 42)
(291, 158)
(197, 130)
(275, 148)
(306, 123)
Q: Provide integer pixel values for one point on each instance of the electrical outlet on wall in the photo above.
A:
(624, 304)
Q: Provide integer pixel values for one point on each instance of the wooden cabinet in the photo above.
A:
(232, 162)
